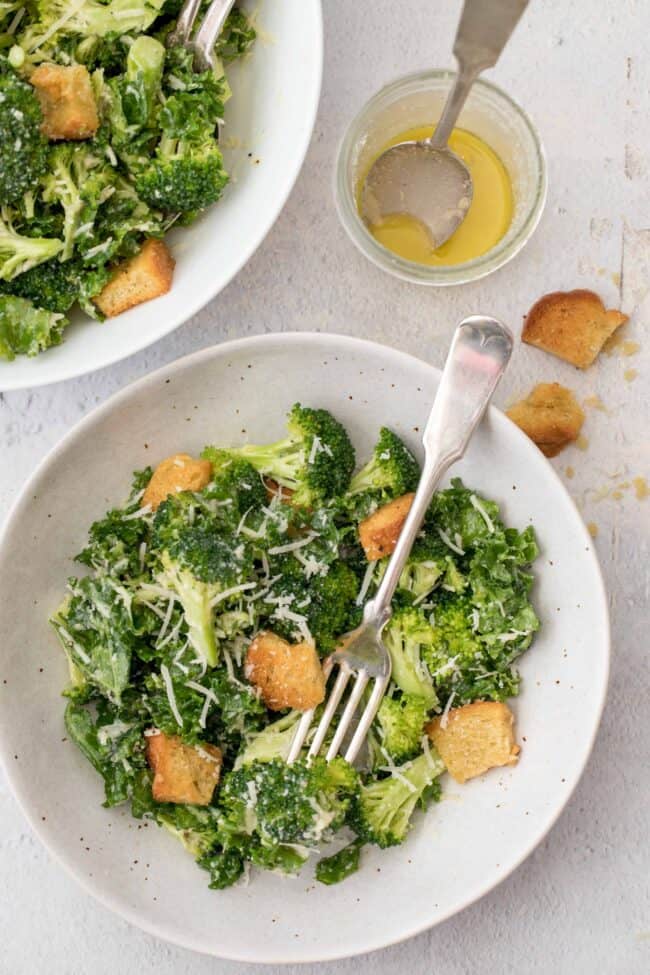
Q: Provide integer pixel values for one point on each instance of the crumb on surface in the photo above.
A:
(572, 325)
(550, 415)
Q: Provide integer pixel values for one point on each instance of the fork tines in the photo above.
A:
(345, 721)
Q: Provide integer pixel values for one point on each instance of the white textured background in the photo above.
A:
(581, 902)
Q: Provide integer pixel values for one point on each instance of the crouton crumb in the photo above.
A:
(550, 416)
(573, 325)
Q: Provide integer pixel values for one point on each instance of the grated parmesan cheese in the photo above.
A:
(292, 546)
(171, 697)
(365, 584)
(445, 714)
(227, 593)
(448, 542)
(474, 501)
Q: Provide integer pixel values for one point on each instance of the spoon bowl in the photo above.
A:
(414, 179)
(426, 180)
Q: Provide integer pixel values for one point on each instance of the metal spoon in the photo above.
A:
(425, 179)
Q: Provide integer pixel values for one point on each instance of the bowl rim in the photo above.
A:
(330, 342)
(436, 276)
(195, 303)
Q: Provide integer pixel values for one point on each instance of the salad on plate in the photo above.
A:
(108, 138)
(195, 641)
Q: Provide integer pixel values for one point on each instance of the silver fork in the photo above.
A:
(479, 353)
(202, 43)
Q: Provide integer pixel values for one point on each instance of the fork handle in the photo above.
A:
(479, 353)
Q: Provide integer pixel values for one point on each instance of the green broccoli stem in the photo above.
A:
(367, 478)
(194, 597)
(384, 807)
(273, 742)
(19, 254)
(281, 460)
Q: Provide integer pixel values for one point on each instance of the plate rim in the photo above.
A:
(329, 341)
(193, 304)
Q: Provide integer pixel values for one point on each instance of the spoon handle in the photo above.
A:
(483, 32)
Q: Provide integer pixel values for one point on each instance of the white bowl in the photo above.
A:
(271, 115)
(457, 851)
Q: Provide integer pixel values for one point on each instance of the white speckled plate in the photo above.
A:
(463, 847)
(269, 122)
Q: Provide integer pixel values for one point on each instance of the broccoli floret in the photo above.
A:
(23, 147)
(76, 180)
(26, 330)
(382, 812)
(197, 599)
(459, 660)
(235, 479)
(429, 566)
(333, 610)
(327, 603)
(48, 285)
(400, 725)
(272, 742)
(200, 560)
(186, 172)
(453, 645)
(18, 253)
(391, 471)
(406, 636)
(56, 287)
(314, 461)
(281, 804)
(183, 176)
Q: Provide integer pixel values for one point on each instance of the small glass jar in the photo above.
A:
(417, 100)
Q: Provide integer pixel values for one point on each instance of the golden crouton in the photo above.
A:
(67, 101)
(177, 473)
(379, 532)
(550, 416)
(573, 325)
(286, 675)
(475, 738)
(143, 277)
(182, 773)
